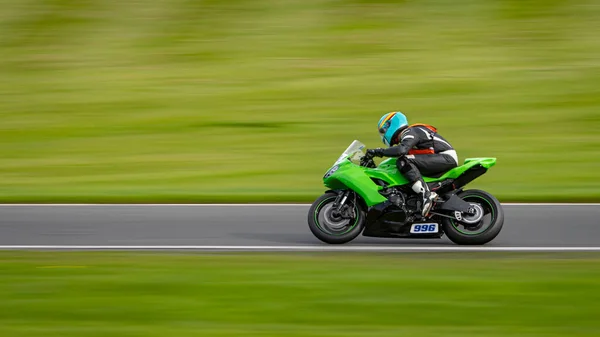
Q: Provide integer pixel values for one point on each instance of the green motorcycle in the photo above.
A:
(377, 201)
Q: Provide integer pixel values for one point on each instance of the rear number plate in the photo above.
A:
(420, 228)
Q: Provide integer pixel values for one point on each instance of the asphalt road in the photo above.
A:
(284, 225)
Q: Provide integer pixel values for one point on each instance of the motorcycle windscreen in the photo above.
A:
(354, 152)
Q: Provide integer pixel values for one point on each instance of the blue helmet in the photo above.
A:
(389, 125)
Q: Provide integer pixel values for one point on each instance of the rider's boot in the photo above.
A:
(421, 188)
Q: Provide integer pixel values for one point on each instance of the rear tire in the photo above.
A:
(482, 232)
(333, 230)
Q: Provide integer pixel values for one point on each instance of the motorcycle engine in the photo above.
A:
(396, 199)
(403, 200)
(403, 208)
(395, 196)
(412, 203)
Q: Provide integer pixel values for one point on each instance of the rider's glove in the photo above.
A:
(375, 152)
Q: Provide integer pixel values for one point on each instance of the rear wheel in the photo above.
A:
(480, 227)
(329, 226)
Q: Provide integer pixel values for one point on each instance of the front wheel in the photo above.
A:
(330, 227)
(480, 227)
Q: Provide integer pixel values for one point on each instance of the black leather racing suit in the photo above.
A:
(422, 150)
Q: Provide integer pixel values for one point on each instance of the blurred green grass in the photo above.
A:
(129, 294)
(245, 100)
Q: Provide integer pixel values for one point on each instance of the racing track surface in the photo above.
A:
(259, 226)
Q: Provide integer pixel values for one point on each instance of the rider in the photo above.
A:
(420, 149)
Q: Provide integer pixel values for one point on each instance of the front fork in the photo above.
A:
(341, 206)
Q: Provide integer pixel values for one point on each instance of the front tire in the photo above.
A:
(330, 229)
(482, 231)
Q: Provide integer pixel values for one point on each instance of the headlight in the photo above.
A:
(331, 171)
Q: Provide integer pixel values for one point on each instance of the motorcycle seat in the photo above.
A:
(459, 170)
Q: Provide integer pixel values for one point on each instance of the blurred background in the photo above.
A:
(253, 100)
(250, 100)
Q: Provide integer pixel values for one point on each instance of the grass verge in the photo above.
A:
(152, 294)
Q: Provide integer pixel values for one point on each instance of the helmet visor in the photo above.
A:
(382, 131)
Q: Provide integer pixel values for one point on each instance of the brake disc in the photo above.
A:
(474, 215)
(334, 221)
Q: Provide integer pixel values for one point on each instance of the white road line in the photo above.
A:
(153, 205)
(549, 204)
(251, 205)
(313, 248)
